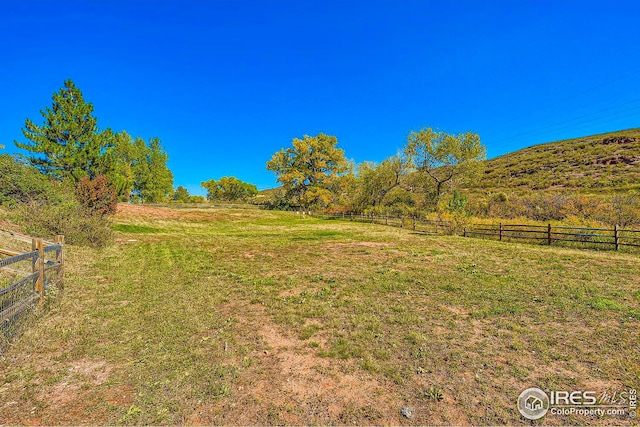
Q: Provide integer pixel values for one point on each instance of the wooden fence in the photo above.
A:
(611, 238)
(26, 288)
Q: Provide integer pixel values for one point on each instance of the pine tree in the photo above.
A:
(67, 145)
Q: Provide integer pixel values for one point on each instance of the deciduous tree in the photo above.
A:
(118, 163)
(229, 188)
(441, 160)
(153, 179)
(375, 181)
(307, 169)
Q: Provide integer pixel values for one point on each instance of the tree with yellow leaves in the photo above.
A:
(308, 169)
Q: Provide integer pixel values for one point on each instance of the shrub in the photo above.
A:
(45, 207)
(458, 203)
(97, 195)
(623, 210)
(76, 223)
(21, 183)
(197, 199)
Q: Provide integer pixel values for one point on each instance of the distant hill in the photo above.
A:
(598, 163)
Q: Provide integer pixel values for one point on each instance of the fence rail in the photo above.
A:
(613, 238)
(26, 288)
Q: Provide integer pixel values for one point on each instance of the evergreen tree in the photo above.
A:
(67, 145)
(181, 195)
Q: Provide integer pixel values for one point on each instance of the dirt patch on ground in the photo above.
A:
(79, 393)
(456, 310)
(290, 384)
(130, 211)
(357, 244)
(293, 292)
(139, 211)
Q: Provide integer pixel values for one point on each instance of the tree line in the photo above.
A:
(314, 172)
(106, 166)
(432, 173)
(103, 167)
(69, 146)
(74, 174)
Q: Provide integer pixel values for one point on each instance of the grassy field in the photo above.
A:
(213, 316)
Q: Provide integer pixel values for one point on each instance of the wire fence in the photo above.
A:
(25, 278)
(614, 238)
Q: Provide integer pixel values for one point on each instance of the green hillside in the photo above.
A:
(592, 163)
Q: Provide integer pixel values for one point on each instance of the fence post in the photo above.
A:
(414, 222)
(549, 234)
(386, 219)
(464, 231)
(616, 236)
(60, 259)
(34, 261)
(40, 269)
(500, 232)
(402, 226)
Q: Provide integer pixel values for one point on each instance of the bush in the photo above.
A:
(457, 203)
(622, 209)
(197, 199)
(46, 207)
(21, 183)
(97, 195)
(78, 225)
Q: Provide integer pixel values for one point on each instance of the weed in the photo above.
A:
(433, 393)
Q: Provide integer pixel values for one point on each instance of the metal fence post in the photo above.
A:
(616, 236)
(500, 232)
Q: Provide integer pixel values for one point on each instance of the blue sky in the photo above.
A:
(225, 84)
